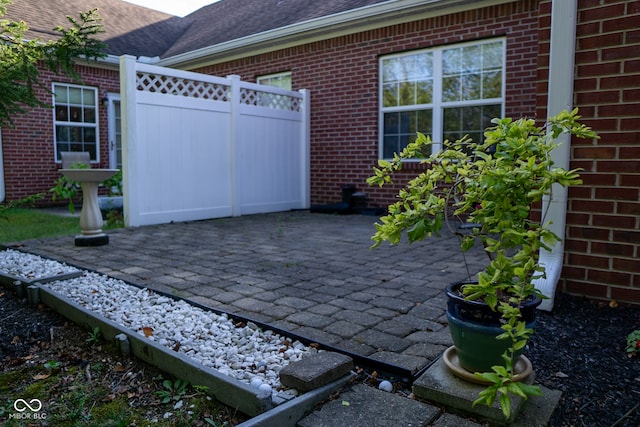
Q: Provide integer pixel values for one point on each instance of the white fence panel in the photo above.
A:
(199, 147)
(274, 183)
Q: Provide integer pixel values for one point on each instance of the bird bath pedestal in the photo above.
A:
(90, 216)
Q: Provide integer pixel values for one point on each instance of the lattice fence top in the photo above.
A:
(270, 100)
(149, 82)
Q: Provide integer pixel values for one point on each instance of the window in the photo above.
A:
(76, 119)
(271, 100)
(280, 80)
(446, 92)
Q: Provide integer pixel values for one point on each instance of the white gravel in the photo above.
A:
(243, 352)
(31, 267)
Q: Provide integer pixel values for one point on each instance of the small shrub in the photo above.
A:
(633, 343)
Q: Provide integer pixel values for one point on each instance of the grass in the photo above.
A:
(18, 224)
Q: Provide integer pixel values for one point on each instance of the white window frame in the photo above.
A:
(79, 124)
(437, 105)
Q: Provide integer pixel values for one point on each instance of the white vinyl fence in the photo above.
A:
(197, 146)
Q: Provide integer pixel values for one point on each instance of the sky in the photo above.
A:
(174, 7)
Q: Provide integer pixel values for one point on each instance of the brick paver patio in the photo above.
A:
(311, 274)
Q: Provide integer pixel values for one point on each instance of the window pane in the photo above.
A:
(88, 134)
(60, 93)
(407, 93)
(492, 56)
(75, 95)
(425, 122)
(424, 62)
(389, 70)
(451, 61)
(89, 115)
(390, 95)
(282, 81)
(451, 121)
(471, 121)
(424, 92)
(471, 59)
(75, 134)
(75, 114)
(404, 125)
(91, 149)
(61, 113)
(391, 123)
(62, 133)
(470, 87)
(450, 89)
(390, 146)
(401, 128)
(61, 147)
(492, 85)
(285, 82)
(88, 97)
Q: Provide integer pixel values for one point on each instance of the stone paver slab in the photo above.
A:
(315, 370)
(367, 406)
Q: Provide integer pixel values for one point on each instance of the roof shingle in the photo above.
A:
(139, 31)
(129, 29)
(228, 20)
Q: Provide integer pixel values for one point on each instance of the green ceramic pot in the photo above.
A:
(474, 328)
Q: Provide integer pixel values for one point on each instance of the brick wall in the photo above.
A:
(603, 241)
(342, 76)
(28, 146)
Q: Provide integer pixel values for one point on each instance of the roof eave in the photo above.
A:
(110, 62)
(357, 20)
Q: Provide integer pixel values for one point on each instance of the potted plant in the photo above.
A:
(485, 192)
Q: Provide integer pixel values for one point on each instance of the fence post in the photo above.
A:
(234, 122)
(128, 103)
(305, 152)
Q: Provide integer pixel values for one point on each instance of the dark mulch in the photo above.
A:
(579, 349)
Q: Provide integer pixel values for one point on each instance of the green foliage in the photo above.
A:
(114, 184)
(20, 58)
(173, 390)
(95, 336)
(28, 201)
(490, 188)
(67, 189)
(114, 219)
(633, 343)
(52, 365)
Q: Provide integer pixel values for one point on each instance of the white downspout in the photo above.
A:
(560, 97)
(2, 192)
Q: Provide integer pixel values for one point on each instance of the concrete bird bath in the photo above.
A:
(90, 217)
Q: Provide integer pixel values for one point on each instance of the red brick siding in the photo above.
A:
(342, 76)
(603, 242)
(28, 146)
